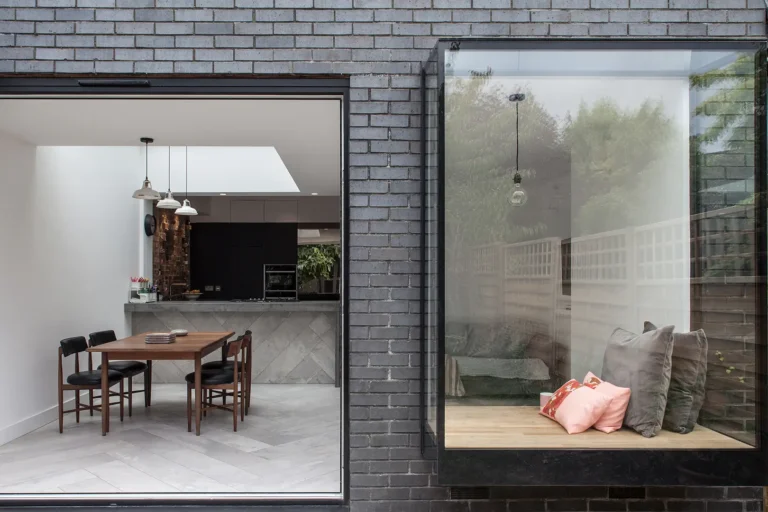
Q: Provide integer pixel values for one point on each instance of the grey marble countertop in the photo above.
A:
(217, 306)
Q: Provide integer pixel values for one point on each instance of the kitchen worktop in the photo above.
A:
(204, 306)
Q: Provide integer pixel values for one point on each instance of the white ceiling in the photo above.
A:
(305, 132)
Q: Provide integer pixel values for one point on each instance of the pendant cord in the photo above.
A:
(517, 139)
(146, 161)
(186, 172)
(169, 169)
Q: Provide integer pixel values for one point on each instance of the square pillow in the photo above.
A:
(642, 363)
(686, 386)
(576, 407)
(613, 417)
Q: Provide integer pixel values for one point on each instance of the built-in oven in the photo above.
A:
(280, 283)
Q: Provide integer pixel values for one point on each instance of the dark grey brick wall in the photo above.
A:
(380, 44)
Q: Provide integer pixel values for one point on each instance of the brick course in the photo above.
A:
(380, 44)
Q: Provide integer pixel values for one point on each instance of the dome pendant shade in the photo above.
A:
(169, 203)
(186, 209)
(146, 192)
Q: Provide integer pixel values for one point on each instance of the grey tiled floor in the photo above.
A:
(289, 443)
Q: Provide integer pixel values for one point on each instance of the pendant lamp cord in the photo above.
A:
(186, 172)
(517, 138)
(146, 161)
(169, 169)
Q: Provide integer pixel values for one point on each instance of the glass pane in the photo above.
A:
(627, 252)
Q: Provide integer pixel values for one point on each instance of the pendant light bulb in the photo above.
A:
(169, 203)
(186, 209)
(146, 192)
(518, 197)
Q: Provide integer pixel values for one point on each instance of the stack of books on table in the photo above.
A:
(160, 337)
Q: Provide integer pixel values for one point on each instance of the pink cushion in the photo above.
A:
(576, 407)
(613, 416)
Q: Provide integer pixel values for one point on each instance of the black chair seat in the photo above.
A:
(222, 365)
(93, 378)
(212, 377)
(127, 368)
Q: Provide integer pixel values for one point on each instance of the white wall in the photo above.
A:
(71, 233)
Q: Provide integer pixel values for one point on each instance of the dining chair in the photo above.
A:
(129, 369)
(244, 367)
(224, 379)
(80, 381)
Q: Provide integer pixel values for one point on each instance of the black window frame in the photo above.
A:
(31, 86)
(535, 467)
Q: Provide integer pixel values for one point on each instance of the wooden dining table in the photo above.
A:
(192, 347)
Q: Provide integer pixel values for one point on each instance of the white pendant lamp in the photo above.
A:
(169, 203)
(187, 208)
(146, 191)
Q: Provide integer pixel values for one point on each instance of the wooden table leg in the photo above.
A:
(104, 393)
(148, 385)
(198, 394)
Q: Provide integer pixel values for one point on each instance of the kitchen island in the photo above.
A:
(293, 342)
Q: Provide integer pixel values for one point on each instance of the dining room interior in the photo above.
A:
(183, 258)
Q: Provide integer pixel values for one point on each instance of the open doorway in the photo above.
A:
(225, 286)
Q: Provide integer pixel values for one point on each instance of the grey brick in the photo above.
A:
(292, 28)
(153, 67)
(132, 54)
(54, 54)
(155, 41)
(353, 42)
(214, 28)
(412, 4)
(108, 41)
(528, 29)
(218, 55)
(273, 15)
(154, 15)
(175, 54)
(452, 4)
(451, 29)
(172, 4)
(193, 67)
(221, 4)
(395, 15)
(393, 42)
(411, 29)
(754, 16)
(194, 41)
(727, 4)
(489, 30)
(136, 4)
(94, 54)
(333, 4)
(95, 27)
(491, 4)
(646, 29)
(351, 15)
(254, 55)
(679, 29)
(255, 4)
(669, 16)
(648, 4)
(233, 15)
(726, 29)
(35, 14)
(7, 40)
(631, 16)
(193, 15)
(756, 29)
(272, 67)
(254, 28)
(589, 16)
(234, 41)
(30, 40)
(332, 28)
(370, 29)
(72, 66)
(134, 28)
(516, 16)
(176, 28)
(114, 67)
(313, 67)
(8, 53)
(706, 16)
(550, 16)
(332, 54)
(232, 67)
(273, 42)
(102, 4)
(55, 27)
(56, 3)
(7, 14)
(114, 14)
(372, 4)
(293, 54)
(27, 66)
(17, 3)
(687, 4)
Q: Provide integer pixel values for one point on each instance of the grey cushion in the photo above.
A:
(505, 341)
(642, 363)
(686, 386)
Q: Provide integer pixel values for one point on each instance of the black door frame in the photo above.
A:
(17, 86)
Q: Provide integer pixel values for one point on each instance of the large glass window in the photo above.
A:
(629, 262)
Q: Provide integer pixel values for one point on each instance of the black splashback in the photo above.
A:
(232, 256)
